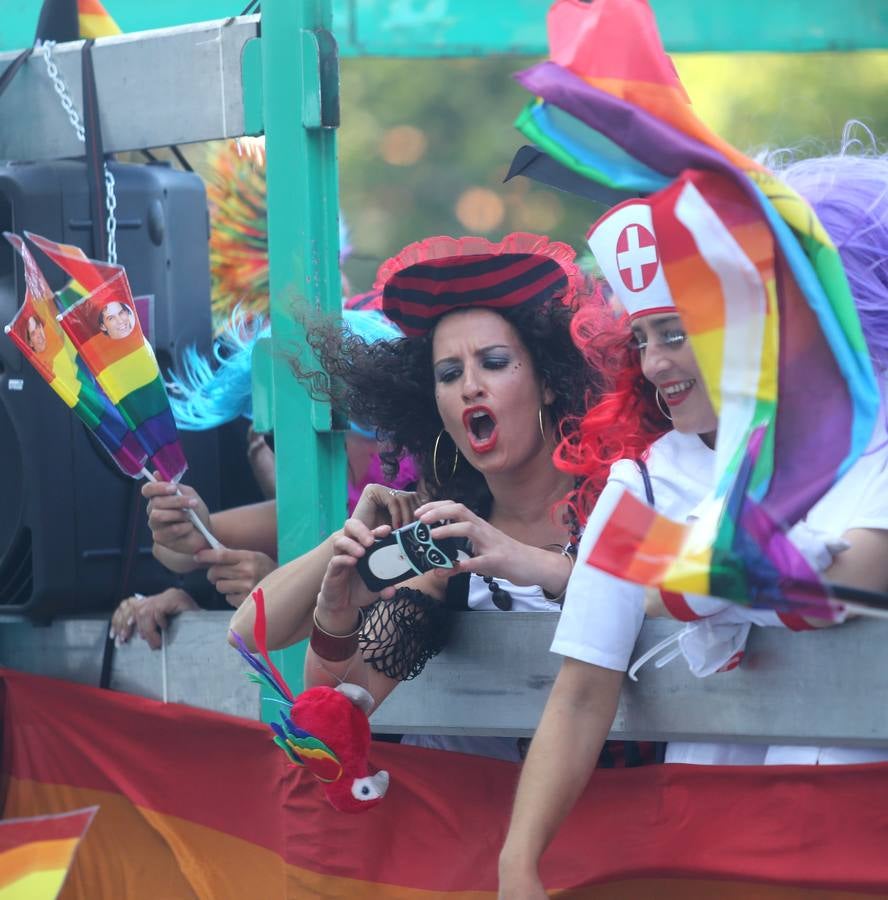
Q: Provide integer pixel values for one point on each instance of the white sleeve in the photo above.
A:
(871, 508)
(602, 614)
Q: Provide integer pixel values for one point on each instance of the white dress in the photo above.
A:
(603, 614)
(524, 599)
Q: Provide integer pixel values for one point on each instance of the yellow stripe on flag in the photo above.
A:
(64, 369)
(26, 862)
(129, 374)
(36, 886)
(97, 26)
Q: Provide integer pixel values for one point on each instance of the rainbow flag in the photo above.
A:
(36, 853)
(199, 804)
(760, 288)
(40, 338)
(105, 330)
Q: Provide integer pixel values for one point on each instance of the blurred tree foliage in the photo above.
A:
(425, 144)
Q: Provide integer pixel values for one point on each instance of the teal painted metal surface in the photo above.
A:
(467, 28)
(460, 28)
(262, 387)
(251, 68)
(304, 270)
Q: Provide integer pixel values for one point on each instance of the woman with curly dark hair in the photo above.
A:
(481, 390)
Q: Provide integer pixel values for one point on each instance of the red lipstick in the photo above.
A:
(481, 428)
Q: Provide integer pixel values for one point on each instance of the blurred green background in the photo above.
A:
(424, 144)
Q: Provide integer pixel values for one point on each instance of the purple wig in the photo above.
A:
(849, 193)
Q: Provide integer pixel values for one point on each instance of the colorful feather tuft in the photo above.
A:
(239, 233)
(265, 675)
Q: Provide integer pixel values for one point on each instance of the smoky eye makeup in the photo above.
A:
(446, 372)
(496, 360)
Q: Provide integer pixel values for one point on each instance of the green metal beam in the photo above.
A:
(299, 113)
(420, 28)
(458, 27)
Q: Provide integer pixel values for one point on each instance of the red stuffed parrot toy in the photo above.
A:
(327, 730)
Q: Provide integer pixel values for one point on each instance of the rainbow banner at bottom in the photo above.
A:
(198, 804)
(36, 853)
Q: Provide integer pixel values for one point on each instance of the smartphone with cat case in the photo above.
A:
(405, 553)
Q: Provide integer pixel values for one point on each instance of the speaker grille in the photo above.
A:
(17, 572)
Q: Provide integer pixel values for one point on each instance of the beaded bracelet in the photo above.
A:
(334, 647)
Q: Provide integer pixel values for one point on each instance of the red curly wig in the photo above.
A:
(623, 423)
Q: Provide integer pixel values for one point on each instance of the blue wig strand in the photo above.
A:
(204, 395)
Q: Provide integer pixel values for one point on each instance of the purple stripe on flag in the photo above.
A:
(648, 139)
(170, 462)
(798, 588)
(158, 431)
(815, 412)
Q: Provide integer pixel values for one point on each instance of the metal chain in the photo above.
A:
(111, 223)
(58, 83)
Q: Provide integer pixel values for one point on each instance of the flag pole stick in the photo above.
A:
(211, 540)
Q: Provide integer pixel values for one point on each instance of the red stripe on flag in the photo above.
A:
(591, 40)
(636, 541)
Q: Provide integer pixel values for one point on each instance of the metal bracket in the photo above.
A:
(320, 79)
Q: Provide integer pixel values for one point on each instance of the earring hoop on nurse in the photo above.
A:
(435, 459)
(542, 429)
(660, 406)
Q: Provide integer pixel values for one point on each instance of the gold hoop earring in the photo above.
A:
(542, 429)
(435, 459)
(660, 406)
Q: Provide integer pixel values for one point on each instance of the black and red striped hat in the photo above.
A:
(431, 278)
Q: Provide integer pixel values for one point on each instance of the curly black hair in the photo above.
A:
(390, 385)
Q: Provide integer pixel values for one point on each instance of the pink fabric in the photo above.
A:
(407, 474)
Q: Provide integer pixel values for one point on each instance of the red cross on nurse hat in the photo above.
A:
(625, 246)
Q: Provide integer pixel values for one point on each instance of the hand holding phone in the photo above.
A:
(405, 553)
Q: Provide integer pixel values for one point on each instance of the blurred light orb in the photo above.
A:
(374, 224)
(480, 210)
(538, 211)
(403, 145)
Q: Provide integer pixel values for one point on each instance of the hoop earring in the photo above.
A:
(435, 459)
(542, 429)
(660, 406)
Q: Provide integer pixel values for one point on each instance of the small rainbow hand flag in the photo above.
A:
(759, 286)
(40, 338)
(36, 853)
(103, 331)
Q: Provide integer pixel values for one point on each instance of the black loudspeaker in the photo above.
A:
(73, 531)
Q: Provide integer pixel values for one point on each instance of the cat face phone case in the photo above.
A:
(405, 553)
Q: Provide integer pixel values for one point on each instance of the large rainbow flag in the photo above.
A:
(762, 293)
(105, 331)
(199, 804)
(36, 853)
(40, 338)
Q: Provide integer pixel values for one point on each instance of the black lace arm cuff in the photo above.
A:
(402, 634)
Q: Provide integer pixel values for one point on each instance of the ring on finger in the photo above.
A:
(394, 493)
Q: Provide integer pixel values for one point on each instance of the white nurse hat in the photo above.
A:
(625, 247)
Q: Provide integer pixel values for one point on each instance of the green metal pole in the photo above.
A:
(300, 110)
